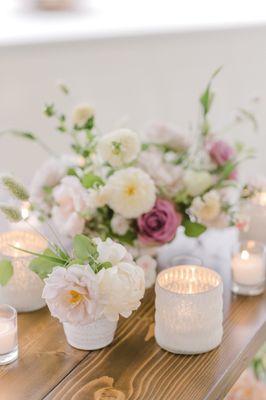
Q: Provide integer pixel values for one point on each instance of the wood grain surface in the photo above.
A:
(133, 367)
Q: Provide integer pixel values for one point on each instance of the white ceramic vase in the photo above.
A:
(93, 336)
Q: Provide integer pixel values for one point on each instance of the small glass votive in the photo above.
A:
(249, 268)
(189, 309)
(185, 259)
(8, 334)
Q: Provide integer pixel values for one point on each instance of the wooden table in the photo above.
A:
(133, 367)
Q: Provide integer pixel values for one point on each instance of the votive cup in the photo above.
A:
(8, 334)
(189, 309)
(249, 268)
(185, 259)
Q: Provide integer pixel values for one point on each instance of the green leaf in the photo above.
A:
(105, 265)
(206, 100)
(90, 180)
(44, 264)
(228, 168)
(6, 271)
(84, 248)
(76, 261)
(193, 229)
(127, 238)
(50, 257)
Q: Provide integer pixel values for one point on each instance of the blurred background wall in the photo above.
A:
(132, 78)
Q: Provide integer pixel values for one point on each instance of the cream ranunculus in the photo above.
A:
(111, 251)
(71, 203)
(121, 289)
(208, 208)
(81, 115)
(131, 192)
(119, 147)
(197, 182)
(119, 224)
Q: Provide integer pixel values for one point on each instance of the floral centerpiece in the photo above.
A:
(138, 189)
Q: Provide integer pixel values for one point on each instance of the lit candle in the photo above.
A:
(188, 317)
(256, 211)
(24, 289)
(248, 269)
(8, 334)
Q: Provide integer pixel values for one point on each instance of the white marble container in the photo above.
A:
(189, 309)
(93, 336)
(24, 289)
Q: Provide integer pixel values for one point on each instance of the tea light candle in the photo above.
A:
(248, 269)
(8, 334)
(189, 304)
(24, 290)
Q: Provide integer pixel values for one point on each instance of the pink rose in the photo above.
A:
(221, 152)
(159, 225)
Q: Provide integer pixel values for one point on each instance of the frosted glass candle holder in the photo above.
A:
(8, 334)
(249, 268)
(189, 309)
(24, 289)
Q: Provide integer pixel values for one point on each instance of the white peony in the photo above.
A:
(165, 134)
(131, 192)
(111, 251)
(148, 264)
(119, 147)
(71, 203)
(121, 289)
(197, 182)
(81, 114)
(47, 176)
(119, 224)
(166, 175)
(208, 208)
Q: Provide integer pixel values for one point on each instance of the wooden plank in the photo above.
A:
(133, 367)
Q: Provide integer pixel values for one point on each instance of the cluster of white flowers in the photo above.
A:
(79, 295)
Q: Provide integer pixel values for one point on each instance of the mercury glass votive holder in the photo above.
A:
(24, 289)
(189, 309)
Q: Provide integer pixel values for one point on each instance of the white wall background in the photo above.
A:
(144, 77)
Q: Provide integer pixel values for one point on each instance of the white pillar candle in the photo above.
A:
(188, 317)
(248, 268)
(8, 334)
(24, 289)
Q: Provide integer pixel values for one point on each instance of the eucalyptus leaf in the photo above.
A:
(193, 229)
(6, 271)
(43, 265)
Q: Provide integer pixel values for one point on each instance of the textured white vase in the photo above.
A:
(93, 336)
(189, 304)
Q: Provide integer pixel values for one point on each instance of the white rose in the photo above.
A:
(208, 208)
(81, 115)
(119, 224)
(148, 264)
(71, 202)
(121, 289)
(197, 182)
(131, 192)
(119, 147)
(166, 134)
(47, 176)
(111, 251)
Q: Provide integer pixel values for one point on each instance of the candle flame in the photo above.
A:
(245, 255)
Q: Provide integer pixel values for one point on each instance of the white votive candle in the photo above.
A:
(188, 317)
(248, 268)
(8, 334)
(24, 289)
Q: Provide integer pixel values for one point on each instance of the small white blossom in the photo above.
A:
(81, 115)
(119, 224)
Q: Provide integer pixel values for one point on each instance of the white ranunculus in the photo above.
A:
(131, 192)
(71, 203)
(197, 182)
(208, 208)
(119, 224)
(47, 176)
(148, 264)
(111, 251)
(121, 289)
(166, 175)
(165, 134)
(81, 114)
(119, 147)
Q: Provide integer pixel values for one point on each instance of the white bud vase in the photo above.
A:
(93, 336)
